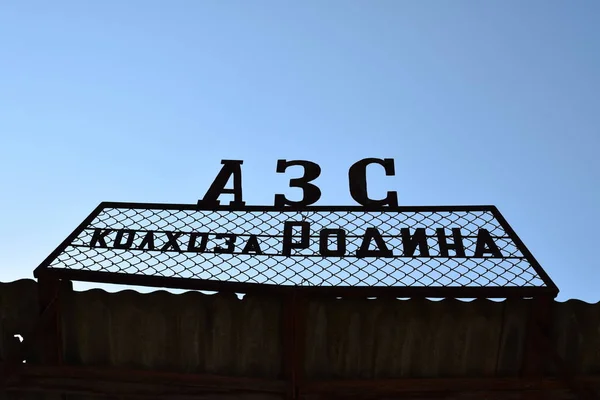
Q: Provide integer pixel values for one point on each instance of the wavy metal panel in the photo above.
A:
(345, 338)
(576, 335)
(411, 338)
(190, 332)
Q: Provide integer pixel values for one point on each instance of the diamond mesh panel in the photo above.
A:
(306, 266)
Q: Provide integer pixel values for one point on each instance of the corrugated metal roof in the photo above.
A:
(345, 338)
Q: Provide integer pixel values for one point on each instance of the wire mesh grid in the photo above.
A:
(158, 242)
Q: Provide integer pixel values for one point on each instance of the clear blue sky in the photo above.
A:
(479, 102)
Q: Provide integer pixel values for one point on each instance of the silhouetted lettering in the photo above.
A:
(357, 176)
(410, 242)
(148, 241)
(457, 246)
(288, 232)
(201, 248)
(340, 242)
(230, 167)
(229, 241)
(381, 250)
(99, 237)
(119, 239)
(172, 241)
(310, 193)
(252, 245)
(486, 245)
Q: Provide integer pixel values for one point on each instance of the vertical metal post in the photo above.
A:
(293, 342)
(538, 327)
(300, 341)
(533, 358)
(50, 340)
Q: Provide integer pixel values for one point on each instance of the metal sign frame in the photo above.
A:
(44, 270)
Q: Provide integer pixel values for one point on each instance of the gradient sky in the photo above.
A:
(479, 102)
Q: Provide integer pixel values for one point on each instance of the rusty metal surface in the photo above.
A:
(576, 335)
(345, 338)
(412, 338)
(190, 332)
(350, 338)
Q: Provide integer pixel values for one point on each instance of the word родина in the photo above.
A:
(357, 179)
